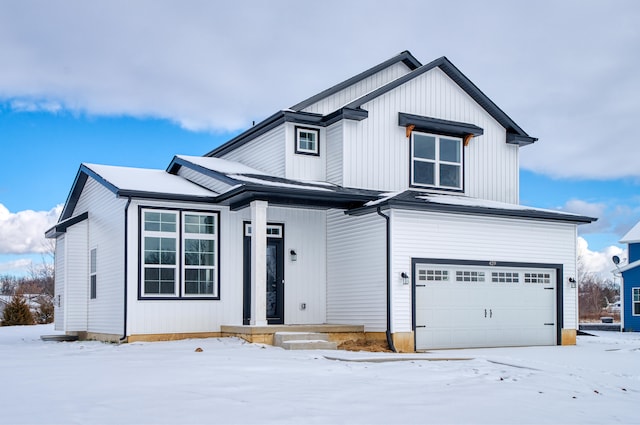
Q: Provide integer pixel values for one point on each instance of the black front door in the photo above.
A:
(275, 281)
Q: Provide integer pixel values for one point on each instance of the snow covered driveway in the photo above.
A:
(230, 381)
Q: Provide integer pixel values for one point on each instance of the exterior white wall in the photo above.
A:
(305, 167)
(265, 153)
(463, 237)
(305, 279)
(356, 270)
(376, 151)
(59, 285)
(75, 296)
(106, 235)
(203, 180)
(341, 98)
(334, 152)
(187, 315)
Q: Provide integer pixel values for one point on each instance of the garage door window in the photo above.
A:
(537, 278)
(505, 277)
(469, 276)
(433, 275)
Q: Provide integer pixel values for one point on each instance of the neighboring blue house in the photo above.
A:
(630, 287)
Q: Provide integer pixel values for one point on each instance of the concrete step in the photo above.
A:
(280, 337)
(309, 344)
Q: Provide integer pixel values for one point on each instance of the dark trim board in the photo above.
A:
(62, 226)
(438, 126)
(559, 268)
(405, 57)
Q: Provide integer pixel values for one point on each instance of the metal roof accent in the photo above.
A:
(451, 128)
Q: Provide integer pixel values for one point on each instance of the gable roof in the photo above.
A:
(515, 134)
(353, 110)
(135, 182)
(405, 57)
(633, 235)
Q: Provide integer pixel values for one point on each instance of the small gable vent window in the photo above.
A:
(307, 141)
(436, 161)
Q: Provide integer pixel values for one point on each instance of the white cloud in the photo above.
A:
(23, 232)
(598, 262)
(562, 70)
(613, 217)
(18, 266)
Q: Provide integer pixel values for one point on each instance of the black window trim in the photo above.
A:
(297, 150)
(437, 187)
(179, 268)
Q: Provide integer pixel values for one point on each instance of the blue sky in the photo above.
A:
(135, 83)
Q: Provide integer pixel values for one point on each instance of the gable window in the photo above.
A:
(307, 141)
(179, 254)
(636, 301)
(436, 161)
(93, 274)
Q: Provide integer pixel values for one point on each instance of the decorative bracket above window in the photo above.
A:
(437, 126)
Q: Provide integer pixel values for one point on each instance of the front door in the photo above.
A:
(275, 275)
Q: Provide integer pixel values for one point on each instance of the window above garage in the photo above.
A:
(437, 150)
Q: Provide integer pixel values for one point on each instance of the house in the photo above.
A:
(387, 204)
(630, 286)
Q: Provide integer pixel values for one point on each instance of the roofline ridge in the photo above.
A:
(405, 57)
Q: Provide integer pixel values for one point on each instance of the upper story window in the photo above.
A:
(307, 141)
(436, 161)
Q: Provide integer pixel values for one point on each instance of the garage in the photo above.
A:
(473, 304)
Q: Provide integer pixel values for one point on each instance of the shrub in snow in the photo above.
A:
(17, 312)
(44, 312)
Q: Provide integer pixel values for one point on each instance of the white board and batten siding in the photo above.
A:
(339, 99)
(377, 155)
(334, 141)
(106, 235)
(305, 278)
(356, 270)
(265, 153)
(463, 237)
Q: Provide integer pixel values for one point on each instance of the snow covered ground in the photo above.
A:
(230, 381)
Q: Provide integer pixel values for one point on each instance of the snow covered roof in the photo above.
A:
(135, 182)
(217, 164)
(632, 235)
(412, 199)
(629, 266)
(147, 180)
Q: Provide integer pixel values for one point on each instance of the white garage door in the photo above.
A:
(467, 306)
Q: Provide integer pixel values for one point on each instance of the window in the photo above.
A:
(505, 277)
(307, 141)
(179, 254)
(469, 276)
(93, 274)
(636, 301)
(433, 275)
(537, 278)
(436, 161)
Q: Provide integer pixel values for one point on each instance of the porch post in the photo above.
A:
(259, 263)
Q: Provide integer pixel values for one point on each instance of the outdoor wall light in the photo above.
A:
(572, 282)
(405, 278)
(294, 255)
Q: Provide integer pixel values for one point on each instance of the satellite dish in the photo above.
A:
(615, 259)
